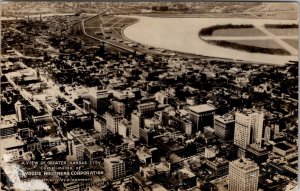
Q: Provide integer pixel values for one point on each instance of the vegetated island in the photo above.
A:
(208, 31)
(281, 26)
(253, 49)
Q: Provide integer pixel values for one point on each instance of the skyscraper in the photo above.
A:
(114, 168)
(137, 122)
(224, 126)
(147, 108)
(99, 100)
(112, 121)
(248, 128)
(243, 175)
(269, 133)
(19, 108)
(201, 116)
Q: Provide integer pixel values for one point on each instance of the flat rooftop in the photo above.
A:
(244, 164)
(283, 146)
(94, 148)
(250, 111)
(202, 108)
(8, 121)
(10, 142)
(187, 172)
(227, 118)
(114, 160)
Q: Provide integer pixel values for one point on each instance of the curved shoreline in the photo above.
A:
(181, 35)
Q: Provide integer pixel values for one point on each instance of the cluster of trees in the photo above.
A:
(281, 26)
(208, 31)
(255, 49)
(160, 8)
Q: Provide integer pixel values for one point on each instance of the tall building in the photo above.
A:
(248, 128)
(75, 145)
(114, 168)
(99, 100)
(19, 108)
(119, 107)
(124, 129)
(269, 133)
(224, 127)
(87, 105)
(137, 122)
(147, 108)
(201, 116)
(112, 122)
(76, 149)
(243, 175)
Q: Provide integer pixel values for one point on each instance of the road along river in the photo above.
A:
(182, 35)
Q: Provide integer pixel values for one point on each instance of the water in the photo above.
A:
(181, 34)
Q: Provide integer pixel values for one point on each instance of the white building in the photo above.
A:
(112, 122)
(114, 168)
(18, 108)
(124, 129)
(137, 122)
(11, 149)
(243, 175)
(76, 149)
(75, 146)
(248, 128)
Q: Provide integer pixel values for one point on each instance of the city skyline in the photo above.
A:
(149, 96)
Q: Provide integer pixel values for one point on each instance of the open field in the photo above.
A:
(265, 39)
(94, 22)
(292, 42)
(92, 31)
(107, 25)
(106, 18)
(258, 43)
(238, 32)
(286, 32)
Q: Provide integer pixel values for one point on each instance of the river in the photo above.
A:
(181, 34)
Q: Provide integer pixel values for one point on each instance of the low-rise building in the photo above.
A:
(284, 148)
(218, 166)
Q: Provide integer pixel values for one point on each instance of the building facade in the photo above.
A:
(243, 175)
(201, 116)
(147, 108)
(114, 168)
(248, 128)
(99, 100)
(19, 107)
(224, 127)
(112, 122)
(137, 122)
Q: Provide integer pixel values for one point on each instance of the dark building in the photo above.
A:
(146, 135)
(202, 116)
(224, 127)
(257, 154)
(218, 166)
(69, 122)
(99, 100)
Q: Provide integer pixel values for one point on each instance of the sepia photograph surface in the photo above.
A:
(149, 96)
